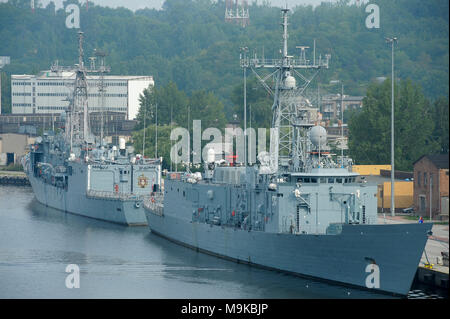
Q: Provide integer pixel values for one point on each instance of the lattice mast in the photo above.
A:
(102, 89)
(236, 11)
(292, 112)
(77, 121)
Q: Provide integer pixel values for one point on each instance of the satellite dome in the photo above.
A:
(318, 135)
(290, 82)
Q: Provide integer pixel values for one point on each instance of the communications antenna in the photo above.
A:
(293, 114)
(78, 111)
(236, 11)
(101, 88)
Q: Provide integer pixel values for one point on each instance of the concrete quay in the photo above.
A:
(433, 269)
(13, 178)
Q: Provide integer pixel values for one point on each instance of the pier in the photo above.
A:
(14, 178)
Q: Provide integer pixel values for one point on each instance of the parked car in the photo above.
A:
(409, 210)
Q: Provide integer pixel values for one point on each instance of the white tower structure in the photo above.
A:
(237, 11)
(293, 114)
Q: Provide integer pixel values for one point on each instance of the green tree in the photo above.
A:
(147, 108)
(370, 129)
(205, 106)
(258, 100)
(164, 143)
(441, 120)
(6, 93)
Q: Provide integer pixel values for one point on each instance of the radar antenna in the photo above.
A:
(293, 114)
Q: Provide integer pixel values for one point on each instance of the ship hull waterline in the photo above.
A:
(124, 212)
(342, 259)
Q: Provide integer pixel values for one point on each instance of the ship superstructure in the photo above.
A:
(76, 172)
(298, 211)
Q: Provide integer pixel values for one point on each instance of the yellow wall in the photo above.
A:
(370, 169)
(404, 192)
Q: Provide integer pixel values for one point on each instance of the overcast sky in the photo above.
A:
(139, 4)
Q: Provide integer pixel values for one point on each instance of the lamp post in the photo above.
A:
(245, 50)
(392, 41)
(342, 119)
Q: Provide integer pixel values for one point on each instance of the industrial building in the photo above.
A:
(49, 92)
(331, 105)
(115, 124)
(431, 186)
(13, 147)
(381, 175)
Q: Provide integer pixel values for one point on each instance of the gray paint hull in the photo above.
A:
(77, 202)
(342, 258)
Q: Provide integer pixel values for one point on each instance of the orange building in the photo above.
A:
(403, 195)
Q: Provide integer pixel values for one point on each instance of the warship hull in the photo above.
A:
(341, 258)
(77, 201)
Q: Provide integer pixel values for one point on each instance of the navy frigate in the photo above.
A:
(77, 172)
(299, 210)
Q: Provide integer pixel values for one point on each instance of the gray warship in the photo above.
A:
(77, 172)
(297, 211)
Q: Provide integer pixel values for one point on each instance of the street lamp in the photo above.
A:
(392, 41)
(245, 50)
(342, 119)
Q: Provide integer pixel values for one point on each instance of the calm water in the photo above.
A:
(37, 243)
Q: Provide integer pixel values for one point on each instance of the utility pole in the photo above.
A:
(156, 130)
(143, 140)
(392, 41)
(342, 119)
(245, 50)
(342, 124)
(431, 196)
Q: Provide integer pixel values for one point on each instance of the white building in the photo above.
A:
(49, 92)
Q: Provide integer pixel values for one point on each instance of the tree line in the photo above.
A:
(193, 55)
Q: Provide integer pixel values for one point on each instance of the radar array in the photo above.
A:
(293, 114)
(236, 11)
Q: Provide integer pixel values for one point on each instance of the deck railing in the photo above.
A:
(114, 195)
(155, 204)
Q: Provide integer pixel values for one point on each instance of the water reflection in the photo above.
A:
(38, 242)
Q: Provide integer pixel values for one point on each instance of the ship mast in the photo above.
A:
(291, 110)
(78, 130)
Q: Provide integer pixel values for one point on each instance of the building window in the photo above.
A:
(425, 179)
(418, 178)
(422, 203)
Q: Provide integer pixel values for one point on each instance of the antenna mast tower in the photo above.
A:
(292, 111)
(102, 89)
(236, 11)
(77, 121)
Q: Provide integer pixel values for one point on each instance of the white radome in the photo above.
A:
(318, 135)
(290, 82)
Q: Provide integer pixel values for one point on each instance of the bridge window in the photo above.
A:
(323, 180)
(331, 180)
(339, 180)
